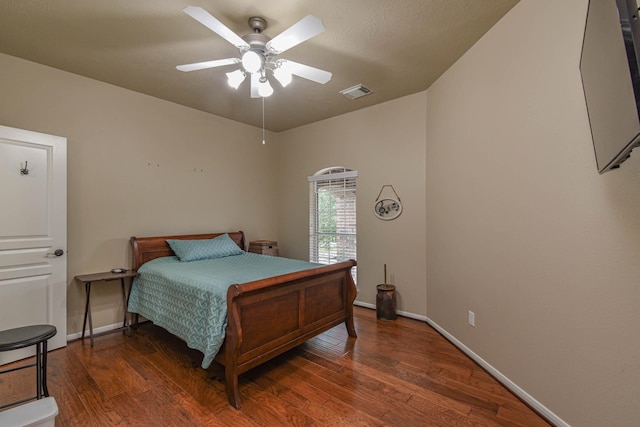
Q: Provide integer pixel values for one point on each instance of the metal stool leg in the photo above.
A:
(38, 371)
(44, 369)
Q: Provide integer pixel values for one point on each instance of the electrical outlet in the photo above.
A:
(472, 318)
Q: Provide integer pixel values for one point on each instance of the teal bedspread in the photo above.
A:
(189, 299)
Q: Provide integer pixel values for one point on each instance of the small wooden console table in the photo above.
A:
(108, 276)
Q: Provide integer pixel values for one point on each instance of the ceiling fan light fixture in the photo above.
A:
(258, 52)
(283, 75)
(264, 88)
(252, 61)
(235, 78)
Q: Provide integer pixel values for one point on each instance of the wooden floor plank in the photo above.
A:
(399, 373)
(321, 404)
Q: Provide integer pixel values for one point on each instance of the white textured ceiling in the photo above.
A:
(395, 47)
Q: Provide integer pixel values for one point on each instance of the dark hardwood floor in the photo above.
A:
(400, 373)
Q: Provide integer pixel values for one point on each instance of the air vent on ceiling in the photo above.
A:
(356, 91)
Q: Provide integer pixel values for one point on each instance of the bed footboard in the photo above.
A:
(273, 315)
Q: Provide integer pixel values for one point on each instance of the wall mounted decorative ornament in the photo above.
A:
(387, 208)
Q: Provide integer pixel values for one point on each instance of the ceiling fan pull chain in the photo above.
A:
(263, 121)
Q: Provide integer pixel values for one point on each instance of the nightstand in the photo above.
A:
(264, 247)
(105, 277)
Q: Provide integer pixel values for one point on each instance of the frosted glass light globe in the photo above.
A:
(251, 61)
(235, 78)
(264, 88)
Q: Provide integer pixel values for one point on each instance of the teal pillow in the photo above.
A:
(194, 250)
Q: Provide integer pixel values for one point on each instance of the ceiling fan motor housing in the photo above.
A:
(258, 41)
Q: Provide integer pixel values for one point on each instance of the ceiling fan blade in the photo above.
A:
(303, 30)
(206, 19)
(310, 73)
(208, 64)
(255, 81)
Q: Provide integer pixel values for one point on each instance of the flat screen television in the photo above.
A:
(611, 79)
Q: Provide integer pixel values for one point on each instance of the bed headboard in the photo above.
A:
(145, 249)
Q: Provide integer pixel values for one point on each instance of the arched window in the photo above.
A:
(332, 215)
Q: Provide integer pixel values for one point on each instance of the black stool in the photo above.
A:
(13, 339)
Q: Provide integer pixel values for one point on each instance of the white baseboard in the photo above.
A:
(98, 330)
(400, 313)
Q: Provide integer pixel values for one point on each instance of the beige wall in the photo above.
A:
(139, 166)
(522, 230)
(385, 144)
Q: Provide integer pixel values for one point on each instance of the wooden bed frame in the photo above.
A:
(270, 316)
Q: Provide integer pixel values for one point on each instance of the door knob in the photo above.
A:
(57, 252)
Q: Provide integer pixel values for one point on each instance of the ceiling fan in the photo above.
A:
(259, 53)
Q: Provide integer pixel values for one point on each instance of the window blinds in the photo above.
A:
(332, 216)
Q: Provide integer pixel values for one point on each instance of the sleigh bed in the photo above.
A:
(264, 317)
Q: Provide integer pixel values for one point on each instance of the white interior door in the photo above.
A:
(33, 234)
